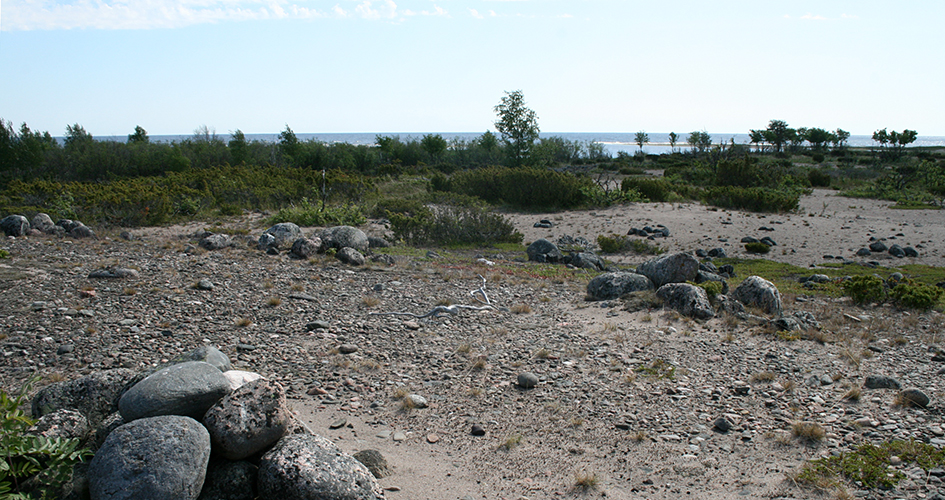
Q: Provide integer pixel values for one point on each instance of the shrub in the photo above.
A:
(306, 213)
(916, 295)
(531, 188)
(755, 199)
(818, 178)
(617, 244)
(29, 464)
(865, 289)
(712, 289)
(452, 225)
(818, 157)
(4, 254)
(757, 247)
(654, 189)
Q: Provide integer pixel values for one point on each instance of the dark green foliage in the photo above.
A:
(32, 467)
(712, 289)
(653, 189)
(818, 178)
(616, 243)
(757, 247)
(755, 199)
(4, 254)
(530, 188)
(865, 289)
(916, 295)
(304, 213)
(453, 225)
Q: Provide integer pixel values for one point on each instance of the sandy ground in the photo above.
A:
(826, 224)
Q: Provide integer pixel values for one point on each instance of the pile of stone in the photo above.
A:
(672, 275)
(348, 243)
(19, 225)
(650, 233)
(877, 246)
(194, 428)
(582, 257)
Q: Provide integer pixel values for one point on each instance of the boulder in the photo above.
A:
(913, 398)
(344, 236)
(542, 250)
(228, 480)
(768, 241)
(248, 420)
(880, 382)
(15, 225)
(283, 234)
(677, 267)
(187, 389)
(113, 273)
(68, 225)
(688, 300)
(878, 247)
(795, 321)
(95, 396)
(910, 252)
(215, 242)
(350, 256)
(63, 424)
(306, 466)
(207, 354)
(585, 260)
(377, 242)
(266, 242)
(43, 222)
(154, 458)
(863, 252)
(897, 251)
(717, 253)
(614, 285)
(81, 231)
(374, 461)
(304, 248)
(238, 378)
(759, 292)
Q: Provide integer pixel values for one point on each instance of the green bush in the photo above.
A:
(653, 189)
(305, 213)
(754, 199)
(4, 254)
(757, 247)
(818, 178)
(454, 225)
(916, 295)
(32, 467)
(530, 188)
(712, 289)
(818, 157)
(616, 243)
(865, 289)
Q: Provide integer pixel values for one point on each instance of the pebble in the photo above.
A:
(432, 438)
(477, 430)
(527, 380)
(337, 424)
(347, 348)
(400, 436)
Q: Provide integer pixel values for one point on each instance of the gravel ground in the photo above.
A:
(625, 402)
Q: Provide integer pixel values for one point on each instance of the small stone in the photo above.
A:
(914, 397)
(65, 349)
(432, 438)
(317, 325)
(204, 284)
(400, 436)
(722, 424)
(416, 401)
(337, 424)
(527, 380)
(347, 349)
(477, 430)
(412, 325)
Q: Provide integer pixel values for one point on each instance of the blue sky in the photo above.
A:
(441, 66)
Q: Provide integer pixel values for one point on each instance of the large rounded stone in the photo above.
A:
(303, 466)
(304, 248)
(345, 236)
(207, 354)
(95, 396)
(688, 300)
(283, 234)
(15, 225)
(151, 459)
(228, 480)
(614, 285)
(188, 389)
(248, 420)
(758, 292)
(350, 256)
(43, 222)
(215, 242)
(677, 267)
(542, 250)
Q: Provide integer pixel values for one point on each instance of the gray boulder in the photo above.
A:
(350, 256)
(304, 248)
(43, 222)
(215, 242)
(897, 251)
(64, 424)
(759, 292)
(305, 466)
(155, 458)
(375, 462)
(81, 231)
(15, 225)
(913, 397)
(228, 480)
(703, 276)
(795, 321)
(187, 389)
(68, 225)
(880, 382)
(863, 252)
(542, 250)
(677, 267)
(114, 273)
(910, 252)
(283, 234)
(688, 300)
(377, 242)
(614, 285)
(344, 236)
(266, 241)
(585, 260)
(248, 420)
(207, 354)
(95, 396)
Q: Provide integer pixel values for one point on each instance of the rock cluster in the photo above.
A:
(19, 225)
(154, 435)
(349, 244)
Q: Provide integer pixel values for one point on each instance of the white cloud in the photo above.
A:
(811, 17)
(23, 15)
(475, 13)
(849, 16)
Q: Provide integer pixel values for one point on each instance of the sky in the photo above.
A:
(409, 66)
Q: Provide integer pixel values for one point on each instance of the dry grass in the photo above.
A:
(511, 442)
(762, 377)
(273, 301)
(370, 301)
(586, 481)
(129, 291)
(298, 287)
(244, 322)
(853, 395)
(480, 364)
(444, 302)
(268, 285)
(463, 349)
(542, 353)
(808, 432)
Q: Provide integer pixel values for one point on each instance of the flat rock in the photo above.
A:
(676, 267)
(187, 389)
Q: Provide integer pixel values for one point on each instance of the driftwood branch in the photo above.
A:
(453, 309)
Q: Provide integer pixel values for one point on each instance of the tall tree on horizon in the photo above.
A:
(518, 126)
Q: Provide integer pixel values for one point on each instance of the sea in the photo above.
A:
(613, 142)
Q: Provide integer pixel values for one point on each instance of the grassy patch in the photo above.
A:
(870, 465)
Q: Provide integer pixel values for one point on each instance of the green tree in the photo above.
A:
(673, 138)
(699, 141)
(434, 145)
(488, 141)
(757, 138)
(641, 138)
(777, 134)
(882, 137)
(840, 138)
(239, 148)
(289, 144)
(139, 137)
(817, 137)
(77, 137)
(518, 126)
